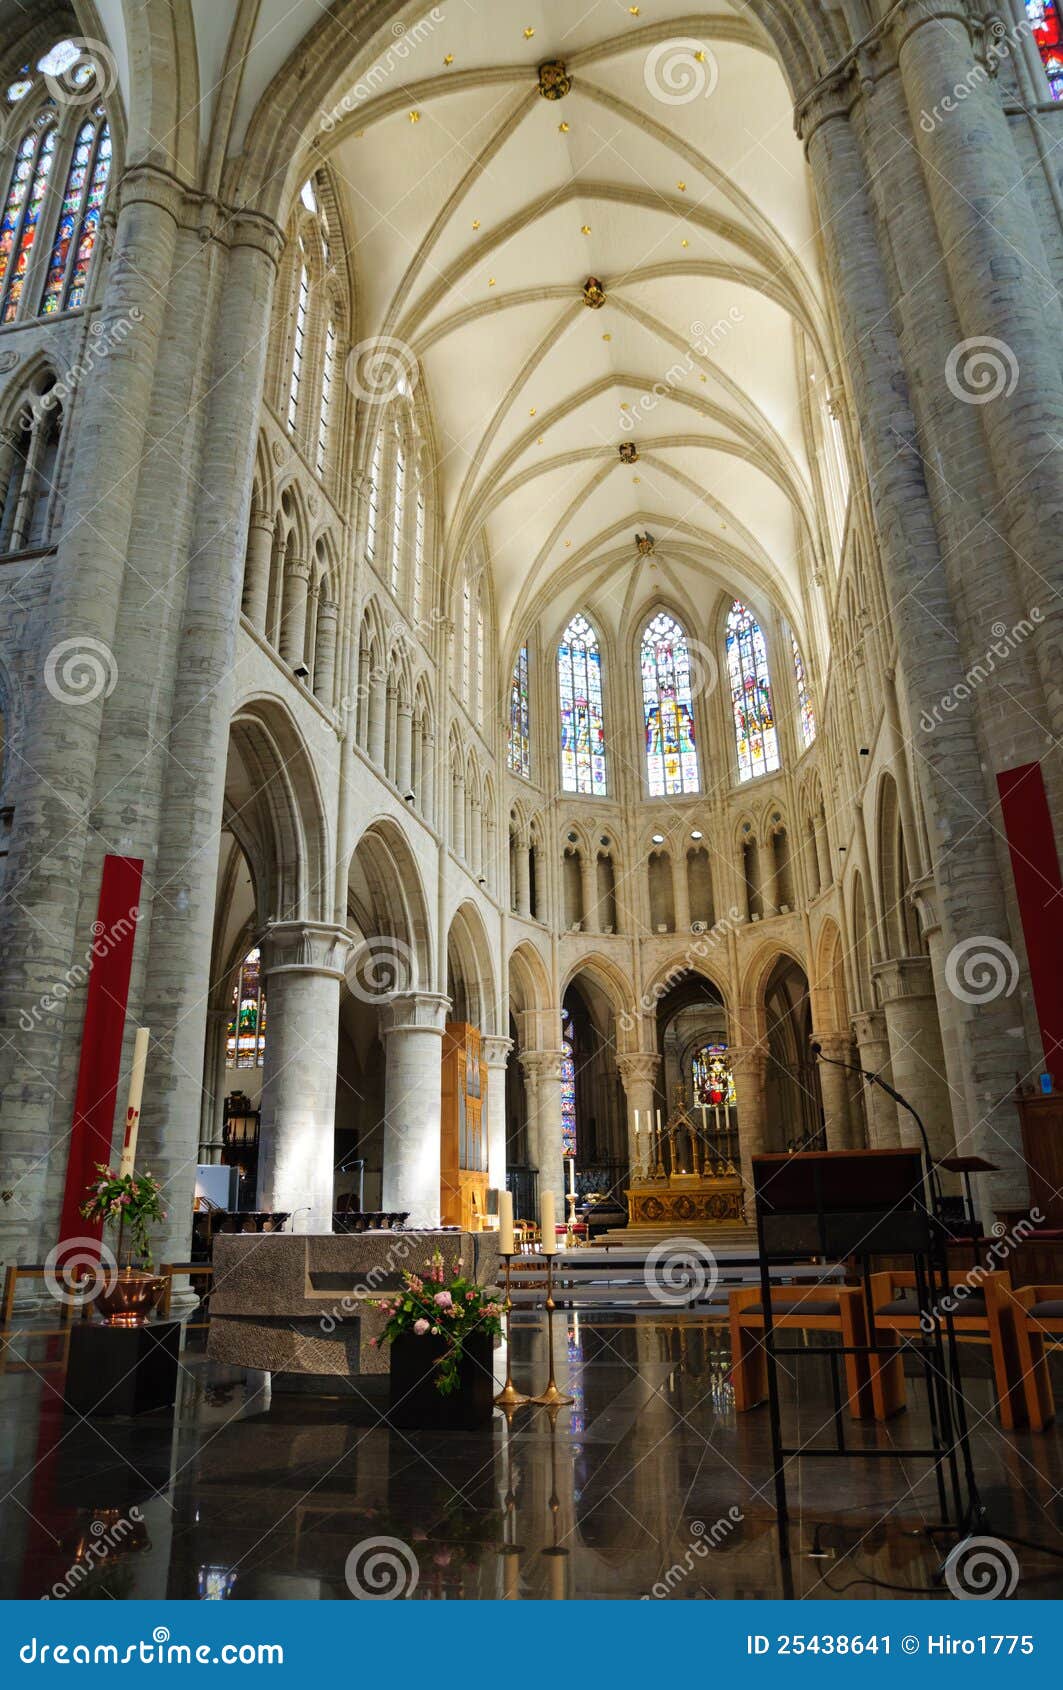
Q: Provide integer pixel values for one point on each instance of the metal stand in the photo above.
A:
(509, 1397)
(551, 1397)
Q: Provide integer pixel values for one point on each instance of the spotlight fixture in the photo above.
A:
(410, 797)
(482, 881)
(302, 673)
(696, 833)
(658, 838)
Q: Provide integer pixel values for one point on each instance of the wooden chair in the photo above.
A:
(194, 1270)
(813, 1308)
(981, 1312)
(1037, 1315)
(30, 1270)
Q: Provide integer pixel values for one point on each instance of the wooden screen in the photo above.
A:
(463, 1129)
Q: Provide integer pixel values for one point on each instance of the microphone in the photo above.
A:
(884, 1085)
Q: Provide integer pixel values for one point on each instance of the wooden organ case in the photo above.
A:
(463, 1129)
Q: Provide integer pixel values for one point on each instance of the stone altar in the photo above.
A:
(299, 1304)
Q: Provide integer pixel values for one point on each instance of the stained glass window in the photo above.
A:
(466, 643)
(713, 1081)
(397, 514)
(668, 708)
(519, 752)
(805, 711)
(245, 1042)
(302, 309)
(1044, 20)
(481, 657)
(373, 498)
(79, 219)
(754, 717)
(328, 370)
(579, 681)
(418, 553)
(21, 217)
(568, 1088)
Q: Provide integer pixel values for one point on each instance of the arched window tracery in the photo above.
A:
(579, 681)
(756, 739)
(668, 709)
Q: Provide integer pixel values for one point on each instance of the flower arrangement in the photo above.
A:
(430, 1307)
(126, 1201)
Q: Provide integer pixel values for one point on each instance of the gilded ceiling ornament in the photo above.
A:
(593, 293)
(629, 452)
(554, 80)
(646, 543)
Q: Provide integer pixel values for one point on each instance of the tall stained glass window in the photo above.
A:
(466, 643)
(481, 657)
(418, 553)
(245, 1043)
(18, 232)
(806, 713)
(754, 718)
(1044, 20)
(372, 515)
(713, 1081)
(302, 311)
(328, 371)
(16, 194)
(668, 709)
(79, 219)
(579, 682)
(568, 1087)
(518, 755)
(398, 512)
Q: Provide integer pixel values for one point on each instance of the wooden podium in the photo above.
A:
(463, 1136)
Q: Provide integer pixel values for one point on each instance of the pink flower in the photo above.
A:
(420, 1327)
(443, 1299)
(470, 1296)
(372, 1343)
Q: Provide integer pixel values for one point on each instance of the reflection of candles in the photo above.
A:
(548, 1224)
(505, 1222)
(557, 1577)
(511, 1576)
(136, 1092)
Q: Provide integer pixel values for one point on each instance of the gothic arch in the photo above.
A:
(615, 986)
(386, 900)
(469, 950)
(272, 792)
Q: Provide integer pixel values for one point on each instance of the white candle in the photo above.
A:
(572, 1176)
(548, 1224)
(636, 1125)
(136, 1093)
(704, 1120)
(505, 1222)
(658, 1123)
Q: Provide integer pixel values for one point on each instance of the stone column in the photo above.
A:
(638, 1072)
(522, 876)
(210, 1121)
(496, 1054)
(256, 568)
(328, 623)
(412, 1029)
(834, 1089)
(428, 778)
(404, 750)
(873, 1048)
(457, 819)
(826, 878)
(474, 844)
(293, 613)
(377, 719)
(906, 992)
(542, 1070)
(749, 1065)
(302, 971)
(588, 868)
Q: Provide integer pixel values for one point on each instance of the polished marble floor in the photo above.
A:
(648, 1486)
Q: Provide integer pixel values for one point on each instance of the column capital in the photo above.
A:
(869, 1027)
(414, 1012)
(836, 1047)
(495, 1050)
(306, 947)
(298, 568)
(638, 1066)
(330, 608)
(542, 1064)
(924, 895)
(261, 518)
(748, 1062)
(903, 977)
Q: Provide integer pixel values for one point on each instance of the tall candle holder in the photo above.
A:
(551, 1397)
(570, 1236)
(509, 1397)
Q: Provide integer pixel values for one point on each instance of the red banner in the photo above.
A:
(1035, 866)
(110, 964)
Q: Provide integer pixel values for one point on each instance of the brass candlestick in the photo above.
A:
(551, 1397)
(570, 1236)
(509, 1397)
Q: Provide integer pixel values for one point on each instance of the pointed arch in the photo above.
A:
(668, 708)
(756, 739)
(580, 698)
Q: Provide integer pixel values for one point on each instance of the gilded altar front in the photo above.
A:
(684, 1200)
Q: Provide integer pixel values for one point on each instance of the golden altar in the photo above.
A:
(685, 1175)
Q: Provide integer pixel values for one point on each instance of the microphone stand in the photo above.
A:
(976, 1510)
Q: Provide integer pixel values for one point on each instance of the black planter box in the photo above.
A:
(122, 1369)
(417, 1403)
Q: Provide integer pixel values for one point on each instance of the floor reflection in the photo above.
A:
(649, 1486)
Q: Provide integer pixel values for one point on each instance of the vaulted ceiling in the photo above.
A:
(477, 209)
